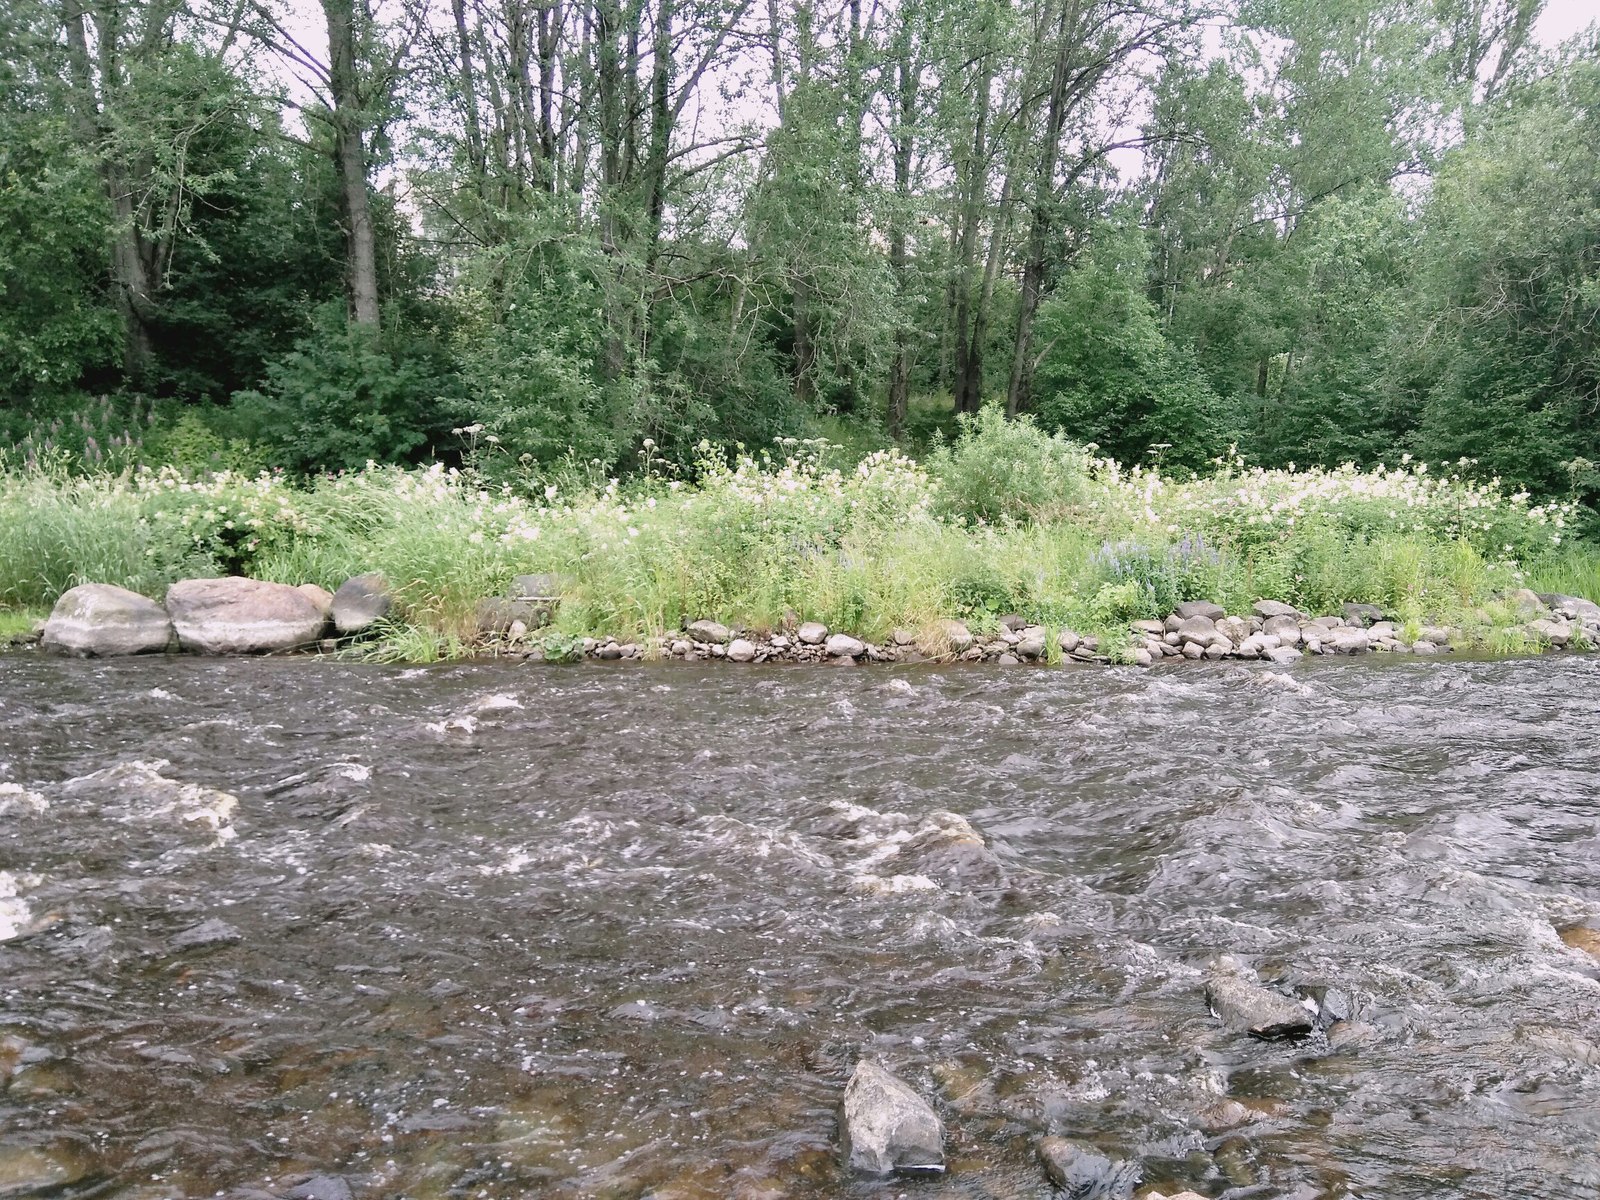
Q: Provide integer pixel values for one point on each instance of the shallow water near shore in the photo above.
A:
(503, 931)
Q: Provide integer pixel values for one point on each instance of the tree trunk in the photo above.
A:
(1019, 395)
(351, 159)
(968, 382)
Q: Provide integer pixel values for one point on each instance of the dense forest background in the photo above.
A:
(540, 232)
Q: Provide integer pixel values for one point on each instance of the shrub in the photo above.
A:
(998, 470)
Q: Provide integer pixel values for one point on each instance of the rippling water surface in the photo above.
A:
(500, 931)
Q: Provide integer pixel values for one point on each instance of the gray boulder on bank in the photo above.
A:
(320, 596)
(886, 1126)
(102, 620)
(709, 633)
(842, 645)
(360, 603)
(1238, 998)
(812, 633)
(241, 616)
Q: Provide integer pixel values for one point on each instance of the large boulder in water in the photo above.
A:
(1084, 1175)
(1244, 1005)
(886, 1126)
(104, 620)
(241, 616)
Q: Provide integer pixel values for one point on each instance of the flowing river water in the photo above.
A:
(497, 931)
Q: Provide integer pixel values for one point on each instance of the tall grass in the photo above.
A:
(759, 540)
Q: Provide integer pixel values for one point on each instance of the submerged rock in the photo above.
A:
(1243, 1004)
(360, 603)
(102, 620)
(208, 933)
(886, 1126)
(241, 616)
(321, 1187)
(949, 849)
(1085, 1175)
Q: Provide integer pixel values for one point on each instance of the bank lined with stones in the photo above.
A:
(247, 616)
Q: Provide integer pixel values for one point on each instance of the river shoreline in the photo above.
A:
(1273, 632)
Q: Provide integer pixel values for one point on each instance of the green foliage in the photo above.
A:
(57, 329)
(1108, 376)
(997, 470)
(345, 396)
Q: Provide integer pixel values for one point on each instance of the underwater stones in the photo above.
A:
(360, 603)
(241, 616)
(1244, 1005)
(101, 620)
(208, 933)
(321, 1187)
(1082, 1174)
(886, 1126)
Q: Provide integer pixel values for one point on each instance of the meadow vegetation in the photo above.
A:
(1001, 518)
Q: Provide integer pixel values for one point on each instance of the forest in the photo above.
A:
(592, 232)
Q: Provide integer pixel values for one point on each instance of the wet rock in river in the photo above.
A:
(949, 849)
(37, 1170)
(321, 1187)
(208, 933)
(1243, 1004)
(101, 620)
(361, 603)
(887, 1126)
(1083, 1174)
(1583, 938)
(241, 616)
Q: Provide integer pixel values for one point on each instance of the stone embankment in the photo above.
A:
(248, 616)
(1198, 630)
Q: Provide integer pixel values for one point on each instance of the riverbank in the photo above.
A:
(885, 549)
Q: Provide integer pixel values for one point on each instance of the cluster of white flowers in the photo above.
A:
(1255, 505)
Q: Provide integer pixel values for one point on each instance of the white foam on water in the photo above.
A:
(16, 798)
(892, 885)
(466, 723)
(498, 702)
(15, 915)
(148, 795)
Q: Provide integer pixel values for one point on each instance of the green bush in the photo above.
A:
(998, 470)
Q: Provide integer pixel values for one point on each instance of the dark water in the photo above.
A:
(508, 931)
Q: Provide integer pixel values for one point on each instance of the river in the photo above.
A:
(487, 930)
